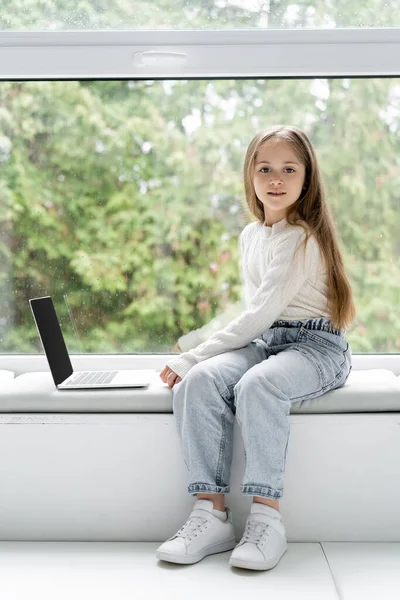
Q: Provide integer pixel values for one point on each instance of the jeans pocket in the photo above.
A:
(330, 356)
(324, 338)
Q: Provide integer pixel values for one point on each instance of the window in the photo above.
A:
(124, 200)
(58, 15)
(121, 158)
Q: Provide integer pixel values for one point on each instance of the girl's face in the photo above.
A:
(278, 178)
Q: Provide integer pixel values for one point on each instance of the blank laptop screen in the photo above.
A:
(52, 338)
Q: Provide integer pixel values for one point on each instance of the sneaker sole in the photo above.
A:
(262, 566)
(193, 558)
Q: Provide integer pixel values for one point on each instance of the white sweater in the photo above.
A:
(276, 286)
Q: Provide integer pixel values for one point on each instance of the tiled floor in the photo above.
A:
(122, 571)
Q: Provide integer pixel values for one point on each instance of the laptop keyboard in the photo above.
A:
(90, 377)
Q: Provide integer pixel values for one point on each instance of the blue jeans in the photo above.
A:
(292, 361)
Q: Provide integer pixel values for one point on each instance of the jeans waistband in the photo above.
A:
(320, 324)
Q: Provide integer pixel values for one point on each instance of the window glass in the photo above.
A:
(58, 15)
(124, 200)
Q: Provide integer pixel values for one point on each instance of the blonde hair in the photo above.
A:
(311, 212)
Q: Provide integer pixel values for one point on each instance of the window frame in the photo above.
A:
(208, 54)
(274, 53)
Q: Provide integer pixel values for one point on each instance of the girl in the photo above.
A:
(287, 346)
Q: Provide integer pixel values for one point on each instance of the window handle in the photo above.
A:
(159, 58)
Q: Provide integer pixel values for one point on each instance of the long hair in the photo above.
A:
(311, 212)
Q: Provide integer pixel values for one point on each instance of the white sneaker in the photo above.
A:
(264, 540)
(201, 535)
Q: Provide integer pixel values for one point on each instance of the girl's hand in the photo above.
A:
(169, 376)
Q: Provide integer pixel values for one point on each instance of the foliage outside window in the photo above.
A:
(127, 197)
(58, 15)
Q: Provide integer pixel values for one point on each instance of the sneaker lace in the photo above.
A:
(191, 528)
(254, 532)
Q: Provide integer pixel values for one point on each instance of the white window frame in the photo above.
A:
(200, 54)
(189, 54)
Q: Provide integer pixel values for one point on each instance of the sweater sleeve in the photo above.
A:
(197, 336)
(244, 276)
(285, 276)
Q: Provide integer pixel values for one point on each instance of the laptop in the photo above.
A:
(65, 378)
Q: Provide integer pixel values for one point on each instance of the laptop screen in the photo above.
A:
(52, 338)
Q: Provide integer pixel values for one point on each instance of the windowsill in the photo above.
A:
(26, 363)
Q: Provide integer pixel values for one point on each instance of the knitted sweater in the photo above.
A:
(276, 285)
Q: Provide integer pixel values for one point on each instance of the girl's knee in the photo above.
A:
(201, 371)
